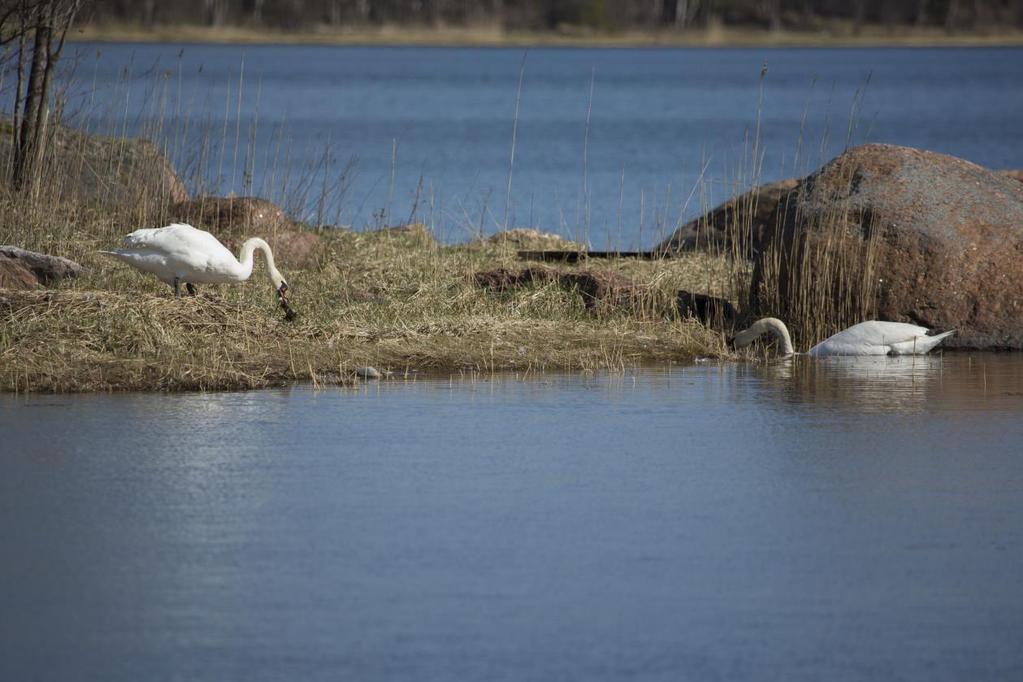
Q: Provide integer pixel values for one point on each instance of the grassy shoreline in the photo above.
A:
(396, 301)
(838, 35)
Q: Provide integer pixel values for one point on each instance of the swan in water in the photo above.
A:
(181, 253)
(866, 338)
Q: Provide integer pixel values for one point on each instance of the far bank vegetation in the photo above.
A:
(666, 18)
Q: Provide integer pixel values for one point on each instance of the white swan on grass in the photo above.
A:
(866, 338)
(180, 253)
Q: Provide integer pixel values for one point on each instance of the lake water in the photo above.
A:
(612, 146)
(839, 519)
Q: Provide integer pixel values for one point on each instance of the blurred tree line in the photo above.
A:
(806, 15)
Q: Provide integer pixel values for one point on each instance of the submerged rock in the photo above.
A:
(910, 235)
(44, 268)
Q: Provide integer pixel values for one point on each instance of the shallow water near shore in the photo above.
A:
(840, 519)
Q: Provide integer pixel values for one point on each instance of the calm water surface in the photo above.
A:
(839, 520)
(670, 130)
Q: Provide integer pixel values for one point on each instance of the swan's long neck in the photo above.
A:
(245, 260)
(767, 325)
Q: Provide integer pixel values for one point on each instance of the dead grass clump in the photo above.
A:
(75, 341)
(601, 291)
(529, 239)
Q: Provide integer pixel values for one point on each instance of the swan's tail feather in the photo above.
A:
(921, 344)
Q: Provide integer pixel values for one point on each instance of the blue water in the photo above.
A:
(832, 520)
(426, 133)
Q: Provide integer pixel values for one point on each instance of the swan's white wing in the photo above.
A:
(179, 251)
(175, 238)
(147, 261)
(874, 338)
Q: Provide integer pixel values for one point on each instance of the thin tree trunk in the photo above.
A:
(774, 8)
(149, 13)
(681, 13)
(860, 11)
(18, 96)
(921, 13)
(52, 56)
(658, 12)
(952, 16)
(29, 138)
(807, 13)
(54, 15)
(216, 13)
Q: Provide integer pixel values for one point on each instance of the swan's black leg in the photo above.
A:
(190, 288)
(177, 286)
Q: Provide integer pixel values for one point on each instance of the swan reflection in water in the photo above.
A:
(902, 384)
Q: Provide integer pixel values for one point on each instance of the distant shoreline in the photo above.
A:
(871, 36)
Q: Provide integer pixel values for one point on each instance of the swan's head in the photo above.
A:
(744, 338)
(767, 325)
(280, 284)
(277, 279)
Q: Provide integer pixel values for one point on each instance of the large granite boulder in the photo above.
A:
(235, 219)
(747, 214)
(104, 172)
(898, 234)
